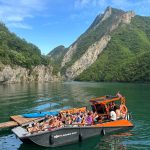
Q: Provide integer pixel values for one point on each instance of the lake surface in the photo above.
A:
(26, 98)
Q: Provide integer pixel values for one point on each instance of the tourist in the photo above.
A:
(30, 128)
(78, 119)
(89, 119)
(111, 105)
(112, 115)
(118, 113)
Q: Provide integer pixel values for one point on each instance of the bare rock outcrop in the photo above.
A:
(69, 54)
(88, 58)
(13, 75)
(19, 74)
(126, 18)
(43, 74)
(107, 14)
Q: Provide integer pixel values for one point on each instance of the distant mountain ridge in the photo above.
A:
(111, 49)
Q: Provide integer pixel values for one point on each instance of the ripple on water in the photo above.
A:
(45, 99)
(140, 138)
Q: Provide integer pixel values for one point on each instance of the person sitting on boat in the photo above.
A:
(112, 115)
(46, 117)
(112, 105)
(74, 118)
(68, 120)
(119, 95)
(59, 116)
(46, 125)
(56, 122)
(117, 111)
(83, 122)
(98, 119)
(35, 128)
(89, 119)
(63, 118)
(30, 128)
(78, 118)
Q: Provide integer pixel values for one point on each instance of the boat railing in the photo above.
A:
(129, 116)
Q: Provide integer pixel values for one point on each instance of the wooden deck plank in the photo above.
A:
(21, 120)
(8, 124)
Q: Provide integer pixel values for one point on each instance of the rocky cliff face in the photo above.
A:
(69, 54)
(113, 18)
(18, 74)
(126, 18)
(88, 58)
(107, 14)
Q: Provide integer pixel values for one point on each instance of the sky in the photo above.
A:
(50, 23)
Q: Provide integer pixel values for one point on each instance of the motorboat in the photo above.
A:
(76, 132)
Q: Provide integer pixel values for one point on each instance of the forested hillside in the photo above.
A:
(17, 51)
(126, 57)
(56, 56)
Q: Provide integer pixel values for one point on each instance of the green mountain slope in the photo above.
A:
(16, 51)
(56, 56)
(126, 57)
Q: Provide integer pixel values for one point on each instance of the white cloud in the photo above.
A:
(19, 25)
(14, 13)
(81, 3)
(140, 6)
(89, 3)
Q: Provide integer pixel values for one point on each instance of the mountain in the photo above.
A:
(116, 47)
(89, 45)
(56, 56)
(126, 57)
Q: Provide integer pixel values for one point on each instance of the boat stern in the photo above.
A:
(20, 132)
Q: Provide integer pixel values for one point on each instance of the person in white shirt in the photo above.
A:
(113, 116)
(117, 111)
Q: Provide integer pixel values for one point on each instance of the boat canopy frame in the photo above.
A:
(107, 99)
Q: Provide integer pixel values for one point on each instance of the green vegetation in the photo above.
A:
(126, 58)
(56, 56)
(16, 51)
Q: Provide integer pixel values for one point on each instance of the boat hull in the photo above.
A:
(70, 135)
(67, 135)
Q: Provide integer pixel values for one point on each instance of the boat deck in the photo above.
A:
(21, 120)
(8, 124)
(15, 121)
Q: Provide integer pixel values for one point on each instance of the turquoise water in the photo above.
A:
(27, 98)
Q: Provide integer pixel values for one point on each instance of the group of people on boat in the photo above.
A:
(80, 118)
(62, 120)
